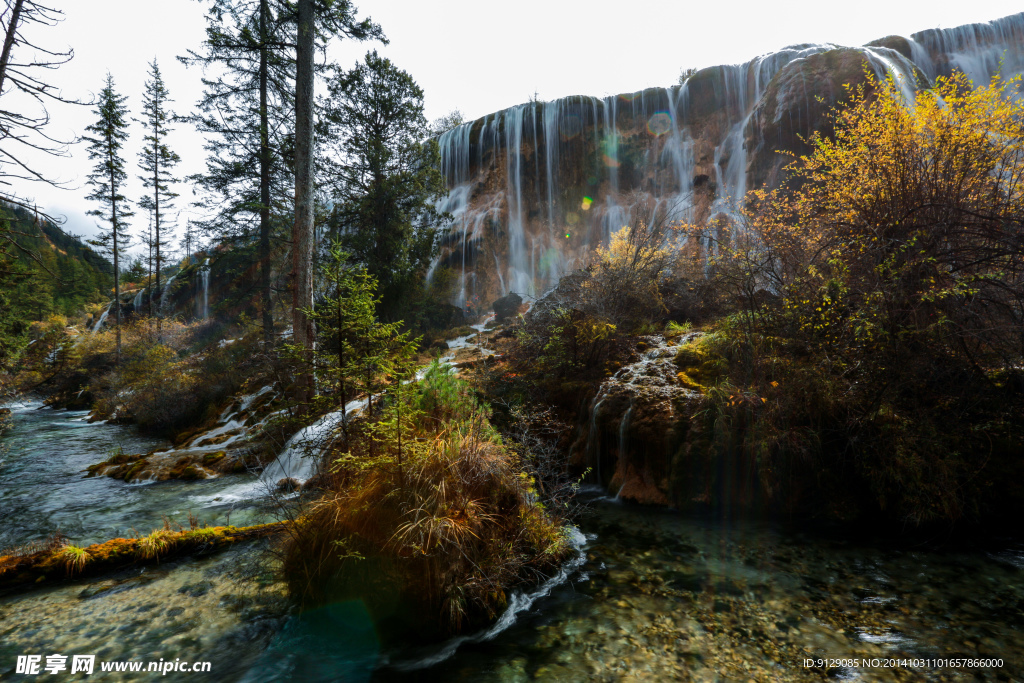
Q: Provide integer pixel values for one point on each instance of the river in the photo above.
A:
(657, 596)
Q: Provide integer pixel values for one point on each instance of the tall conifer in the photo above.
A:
(157, 162)
(107, 180)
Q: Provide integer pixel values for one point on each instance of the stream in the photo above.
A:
(655, 596)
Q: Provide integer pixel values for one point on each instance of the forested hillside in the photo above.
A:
(43, 271)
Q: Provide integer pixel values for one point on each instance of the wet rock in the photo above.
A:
(195, 590)
(97, 589)
(621, 576)
(288, 485)
(639, 417)
(507, 306)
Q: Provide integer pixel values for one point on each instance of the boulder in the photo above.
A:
(507, 306)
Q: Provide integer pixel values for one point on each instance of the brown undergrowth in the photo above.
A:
(434, 540)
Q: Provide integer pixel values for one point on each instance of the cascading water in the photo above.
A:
(103, 319)
(203, 300)
(166, 293)
(534, 188)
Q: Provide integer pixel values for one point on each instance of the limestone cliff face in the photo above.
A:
(534, 188)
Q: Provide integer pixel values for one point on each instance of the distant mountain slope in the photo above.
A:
(49, 272)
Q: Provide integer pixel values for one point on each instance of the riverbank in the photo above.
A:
(658, 596)
(654, 594)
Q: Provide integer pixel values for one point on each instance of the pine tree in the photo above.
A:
(315, 21)
(246, 114)
(107, 180)
(357, 354)
(386, 188)
(188, 241)
(157, 162)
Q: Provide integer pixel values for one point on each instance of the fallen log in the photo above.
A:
(65, 561)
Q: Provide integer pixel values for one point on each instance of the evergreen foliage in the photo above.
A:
(385, 176)
(356, 354)
(50, 272)
(107, 179)
(246, 115)
(157, 162)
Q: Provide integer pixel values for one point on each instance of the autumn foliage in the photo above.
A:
(880, 302)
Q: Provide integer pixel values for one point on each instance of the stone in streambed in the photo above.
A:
(507, 306)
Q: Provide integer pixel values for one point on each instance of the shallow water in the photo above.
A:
(664, 597)
(659, 596)
(43, 487)
(198, 610)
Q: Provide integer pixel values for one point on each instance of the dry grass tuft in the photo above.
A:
(431, 546)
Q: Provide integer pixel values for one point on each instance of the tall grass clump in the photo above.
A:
(74, 558)
(433, 538)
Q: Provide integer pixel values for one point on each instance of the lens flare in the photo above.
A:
(551, 258)
(610, 149)
(585, 205)
(572, 218)
(659, 124)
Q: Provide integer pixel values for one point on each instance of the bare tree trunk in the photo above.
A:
(117, 267)
(268, 320)
(12, 31)
(151, 281)
(302, 234)
(156, 219)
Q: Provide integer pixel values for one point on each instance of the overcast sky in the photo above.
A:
(475, 56)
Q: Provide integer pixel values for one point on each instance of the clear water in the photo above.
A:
(663, 597)
(660, 597)
(43, 487)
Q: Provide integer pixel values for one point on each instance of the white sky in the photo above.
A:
(476, 56)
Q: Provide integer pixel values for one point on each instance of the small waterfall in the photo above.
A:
(137, 301)
(649, 387)
(623, 443)
(594, 441)
(203, 301)
(297, 460)
(103, 319)
(165, 293)
(293, 462)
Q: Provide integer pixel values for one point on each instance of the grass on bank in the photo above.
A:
(58, 559)
(433, 536)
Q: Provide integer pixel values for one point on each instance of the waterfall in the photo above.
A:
(206, 293)
(167, 291)
(293, 462)
(203, 301)
(978, 50)
(103, 319)
(137, 301)
(535, 187)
